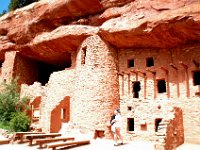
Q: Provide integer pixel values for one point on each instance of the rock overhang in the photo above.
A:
(165, 30)
(44, 36)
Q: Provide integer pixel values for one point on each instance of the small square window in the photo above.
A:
(143, 127)
(149, 62)
(129, 108)
(131, 63)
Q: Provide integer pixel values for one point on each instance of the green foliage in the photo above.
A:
(5, 125)
(14, 4)
(9, 97)
(12, 107)
(20, 122)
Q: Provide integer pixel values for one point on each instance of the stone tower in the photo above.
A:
(96, 86)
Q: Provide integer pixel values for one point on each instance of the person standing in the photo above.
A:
(112, 123)
(117, 123)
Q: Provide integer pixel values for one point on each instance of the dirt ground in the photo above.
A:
(98, 144)
(102, 145)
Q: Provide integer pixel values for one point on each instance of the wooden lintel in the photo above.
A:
(184, 65)
(173, 66)
(164, 69)
(133, 71)
(121, 73)
(153, 72)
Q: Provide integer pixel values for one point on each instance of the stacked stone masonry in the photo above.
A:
(79, 60)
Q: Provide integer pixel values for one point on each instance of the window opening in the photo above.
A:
(130, 123)
(143, 127)
(83, 55)
(129, 108)
(63, 113)
(157, 124)
(1, 63)
(149, 61)
(196, 78)
(99, 134)
(161, 86)
(131, 63)
(136, 89)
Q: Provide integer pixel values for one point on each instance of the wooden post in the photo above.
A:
(177, 81)
(129, 85)
(186, 78)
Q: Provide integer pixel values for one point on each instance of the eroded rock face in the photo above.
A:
(164, 30)
(46, 29)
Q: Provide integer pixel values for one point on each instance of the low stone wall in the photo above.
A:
(156, 121)
(60, 85)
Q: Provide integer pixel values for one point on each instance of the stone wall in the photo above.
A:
(23, 68)
(26, 70)
(190, 107)
(7, 70)
(60, 85)
(176, 67)
(153, 121)
(175, 132)
(93, 83)
(96, 86)
(32, 91)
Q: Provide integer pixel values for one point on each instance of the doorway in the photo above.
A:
(136, 89)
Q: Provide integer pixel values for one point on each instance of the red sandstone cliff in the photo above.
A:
(44, 30)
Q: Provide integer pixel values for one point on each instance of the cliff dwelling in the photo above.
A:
(79, 60)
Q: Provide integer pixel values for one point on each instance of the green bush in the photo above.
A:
(20, 122)
(12, 107)
(4, 125)
(10, 101)
(9, 98)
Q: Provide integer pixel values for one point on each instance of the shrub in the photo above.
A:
(10, 101)
(20, 122)
(12, 107)
(4, 125)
